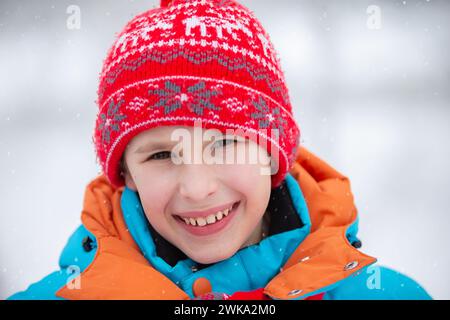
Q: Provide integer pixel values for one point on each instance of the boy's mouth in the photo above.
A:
(208, 224)
(202, 221)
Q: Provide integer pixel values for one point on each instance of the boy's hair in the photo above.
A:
(189, 61)
(123, 168)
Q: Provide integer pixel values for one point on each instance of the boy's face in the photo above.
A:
(170, 191)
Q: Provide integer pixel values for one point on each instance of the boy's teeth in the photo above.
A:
(212, 218)
(201, 222)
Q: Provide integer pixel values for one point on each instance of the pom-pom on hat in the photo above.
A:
(190, 61)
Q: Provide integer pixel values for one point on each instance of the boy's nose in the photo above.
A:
(197, 181)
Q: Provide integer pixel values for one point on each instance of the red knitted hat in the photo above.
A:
(189, 61)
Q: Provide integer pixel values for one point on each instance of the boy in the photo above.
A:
(179, 221)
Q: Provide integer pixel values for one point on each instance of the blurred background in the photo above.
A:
(369, 84)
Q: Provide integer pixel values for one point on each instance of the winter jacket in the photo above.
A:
(312, 250)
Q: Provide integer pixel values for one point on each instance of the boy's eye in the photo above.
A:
(160, 155)
(164, 155)
(224, 142)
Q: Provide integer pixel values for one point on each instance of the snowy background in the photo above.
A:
(372, 99)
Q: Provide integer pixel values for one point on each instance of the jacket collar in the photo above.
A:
(321, 261)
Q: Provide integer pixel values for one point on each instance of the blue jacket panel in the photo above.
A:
(74, 259)
(378, 283)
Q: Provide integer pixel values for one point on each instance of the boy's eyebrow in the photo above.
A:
(152, 146)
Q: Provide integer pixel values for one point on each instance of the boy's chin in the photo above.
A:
(209, 258)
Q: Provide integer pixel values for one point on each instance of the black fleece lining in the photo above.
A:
(283, 218)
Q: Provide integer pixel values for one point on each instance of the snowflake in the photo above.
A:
(111, 120)
(268, 118)
(197, 97)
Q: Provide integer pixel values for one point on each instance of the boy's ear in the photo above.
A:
(129, 182)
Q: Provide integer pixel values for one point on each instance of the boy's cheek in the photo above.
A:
(244, 178)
